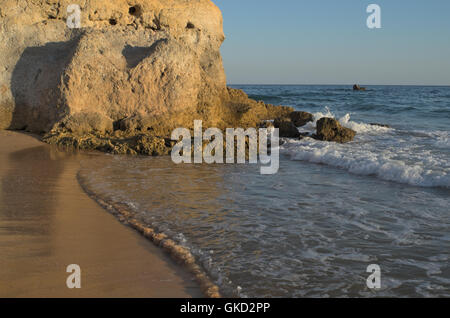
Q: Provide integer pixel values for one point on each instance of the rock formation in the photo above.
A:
(356, 87)
(329, 129)
(133, 71)
(300, 119)
(286, 128)
(135, 67)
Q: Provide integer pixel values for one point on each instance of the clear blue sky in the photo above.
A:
(328, 42)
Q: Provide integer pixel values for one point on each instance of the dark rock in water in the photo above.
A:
(329, 129)
(301, 118)
(356, 87)
(287, 128)
(380, 125)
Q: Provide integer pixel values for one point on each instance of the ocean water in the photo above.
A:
(332, 210)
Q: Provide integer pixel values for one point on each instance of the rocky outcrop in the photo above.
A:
(286, 128)
(329, 129)
(136, 67)
(143, 57)
(300, 119)
(133, 72)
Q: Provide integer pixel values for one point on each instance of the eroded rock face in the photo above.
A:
(136, 57)
(329, 129)
(135, 68)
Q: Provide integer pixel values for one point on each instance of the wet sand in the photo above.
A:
(47, 223)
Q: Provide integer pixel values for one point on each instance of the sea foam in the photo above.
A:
(377, 151)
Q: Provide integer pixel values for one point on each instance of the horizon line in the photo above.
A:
(277, 84)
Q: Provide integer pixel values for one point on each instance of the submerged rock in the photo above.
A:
(329, 129)
(380, 125)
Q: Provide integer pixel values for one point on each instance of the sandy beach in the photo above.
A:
(224, 149)
(47, 223)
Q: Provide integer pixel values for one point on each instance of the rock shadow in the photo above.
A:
(136, 54)
(35, 83)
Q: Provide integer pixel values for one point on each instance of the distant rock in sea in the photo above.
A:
(356, 87)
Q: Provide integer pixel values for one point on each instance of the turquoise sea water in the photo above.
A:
(332, 210)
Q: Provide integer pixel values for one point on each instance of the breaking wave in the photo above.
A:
(389, 154)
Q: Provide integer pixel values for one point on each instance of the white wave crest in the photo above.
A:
(367, 161)
(345, 121)
(441, 139)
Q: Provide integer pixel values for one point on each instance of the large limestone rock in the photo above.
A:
(134, 67)
(139, 57)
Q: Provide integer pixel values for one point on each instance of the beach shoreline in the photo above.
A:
(178, 253)
(48, 222)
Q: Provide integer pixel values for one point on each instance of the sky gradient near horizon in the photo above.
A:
(328, 42)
